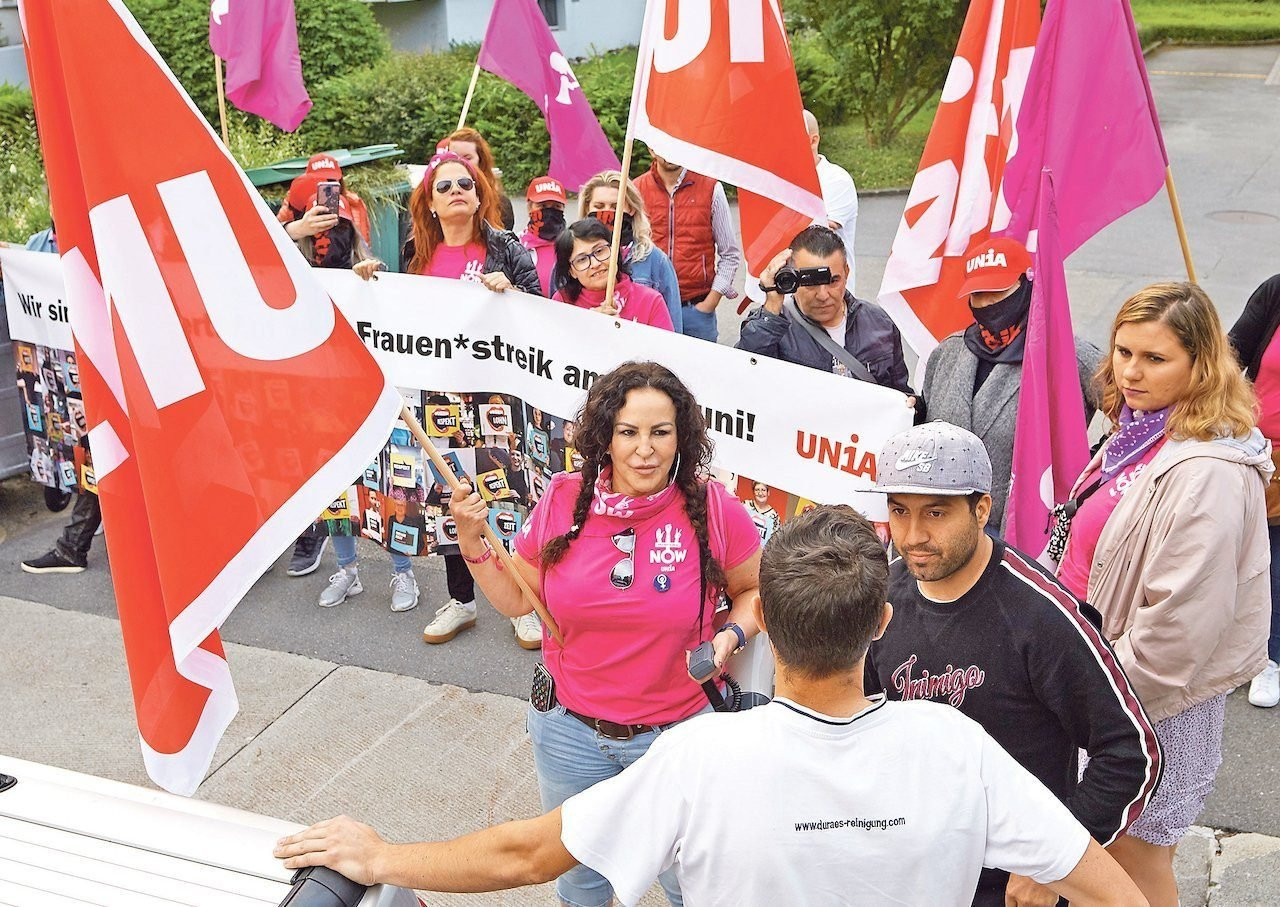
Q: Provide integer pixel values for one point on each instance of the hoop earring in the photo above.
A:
(675, 470)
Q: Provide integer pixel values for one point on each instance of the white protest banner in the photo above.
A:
(48, 375)
(505, 360)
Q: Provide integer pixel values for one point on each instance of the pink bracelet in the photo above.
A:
(488, 553)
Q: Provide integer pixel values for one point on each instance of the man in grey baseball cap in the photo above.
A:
(980, 626)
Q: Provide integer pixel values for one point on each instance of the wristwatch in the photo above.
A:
(737, 631)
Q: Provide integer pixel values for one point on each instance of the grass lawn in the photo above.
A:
(893, 166)
(1208, 20)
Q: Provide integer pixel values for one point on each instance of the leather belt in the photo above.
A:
(611, 729)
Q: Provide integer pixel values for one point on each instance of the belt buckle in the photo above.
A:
(631, 731)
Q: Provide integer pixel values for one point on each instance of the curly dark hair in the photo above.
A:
(594, 434)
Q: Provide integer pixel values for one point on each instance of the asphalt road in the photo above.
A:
(1221, 126)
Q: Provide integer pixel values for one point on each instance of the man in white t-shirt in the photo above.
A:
(838, 192)
(819, 797)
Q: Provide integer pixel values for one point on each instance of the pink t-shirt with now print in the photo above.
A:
(624, 654)
(457, 262)
(634, 301)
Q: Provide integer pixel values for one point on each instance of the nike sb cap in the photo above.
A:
(934, 458)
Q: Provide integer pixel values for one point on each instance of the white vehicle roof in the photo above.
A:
(69, 839)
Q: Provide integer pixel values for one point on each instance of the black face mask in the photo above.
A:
(605, 216)
(998, 333)
(548, 222)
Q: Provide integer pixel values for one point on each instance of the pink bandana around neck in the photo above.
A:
(607, 502)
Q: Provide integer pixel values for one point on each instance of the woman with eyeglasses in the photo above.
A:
(582, 262)
(453, 237)
(632, 555)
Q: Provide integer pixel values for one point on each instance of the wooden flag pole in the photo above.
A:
(1177, 222)
(442, 466)
(471, 90)
(616, 245)
(222, 97)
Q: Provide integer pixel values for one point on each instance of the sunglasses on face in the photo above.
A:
(465, 183)
(624, 571)
(581, 262)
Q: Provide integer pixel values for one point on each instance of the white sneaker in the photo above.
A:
(404, 591)
(1264, 690)
(449, 621)
(528, 630)
(342, 585)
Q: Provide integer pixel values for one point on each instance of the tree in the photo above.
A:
(891, 56)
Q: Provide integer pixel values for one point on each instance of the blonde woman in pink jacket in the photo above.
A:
(1169, 542)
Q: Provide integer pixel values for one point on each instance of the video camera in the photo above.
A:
(789, 279)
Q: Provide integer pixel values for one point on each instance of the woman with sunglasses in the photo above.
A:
(632, 555)
(582, 261)
(453, 212)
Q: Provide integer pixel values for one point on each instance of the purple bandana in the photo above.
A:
(1138, 431)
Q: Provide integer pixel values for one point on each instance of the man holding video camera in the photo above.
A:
(809, 317)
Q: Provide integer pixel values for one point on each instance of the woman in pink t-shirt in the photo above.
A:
(582, 263)
(631, 556)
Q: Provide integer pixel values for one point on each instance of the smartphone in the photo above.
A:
(327, 194)
(542, 695)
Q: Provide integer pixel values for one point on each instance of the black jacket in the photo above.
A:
(1024, 658)
(505, 253)
(870, 336)
(1253, 330)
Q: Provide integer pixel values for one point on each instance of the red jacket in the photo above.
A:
(682, 227)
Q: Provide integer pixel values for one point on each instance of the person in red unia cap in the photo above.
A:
(973, 377)
(546, 198)
(328, 241)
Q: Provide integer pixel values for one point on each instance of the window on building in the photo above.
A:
(553, 10)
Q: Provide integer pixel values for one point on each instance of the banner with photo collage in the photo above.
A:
(786, 436)
(496, 380)
(46, 372)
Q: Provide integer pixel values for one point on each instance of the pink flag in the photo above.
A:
(1050, 444)
(259, 41)
(1088, 116)
(518, 46)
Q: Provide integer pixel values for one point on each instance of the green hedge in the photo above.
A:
(24, 201)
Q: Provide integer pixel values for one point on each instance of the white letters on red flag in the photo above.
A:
(716, 92)
(227, 400)
(954, 196)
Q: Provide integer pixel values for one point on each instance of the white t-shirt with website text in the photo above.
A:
(903, 803)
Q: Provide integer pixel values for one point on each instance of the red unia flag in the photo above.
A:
(954, 196)
(716, 92)
(519, 47)
(228, 401)
(1051, 444)
(259, 41)
(1088, 116)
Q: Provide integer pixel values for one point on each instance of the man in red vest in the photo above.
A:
(692, 224)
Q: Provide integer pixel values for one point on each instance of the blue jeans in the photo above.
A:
(1273, 642)
(570, 757)
(697, 323)
(345, 547)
